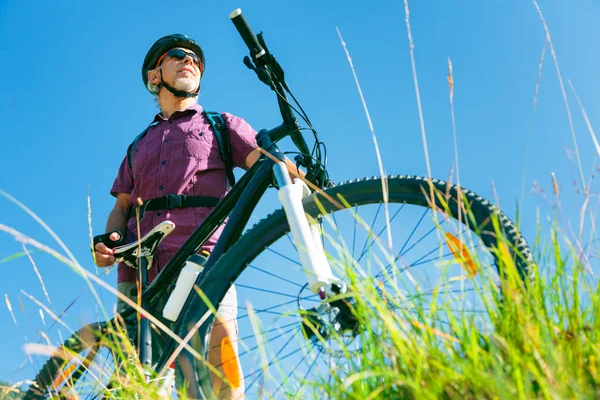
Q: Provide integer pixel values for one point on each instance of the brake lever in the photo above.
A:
(262, 73)
(248, 63)
(272, 63)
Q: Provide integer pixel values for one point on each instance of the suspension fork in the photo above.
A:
(306, 235)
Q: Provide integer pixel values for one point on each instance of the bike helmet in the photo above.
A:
(160, 47)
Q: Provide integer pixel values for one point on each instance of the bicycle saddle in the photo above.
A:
(145, 247)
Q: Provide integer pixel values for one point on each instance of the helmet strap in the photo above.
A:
(177, 93)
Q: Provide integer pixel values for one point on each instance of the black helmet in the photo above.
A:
(164, 44)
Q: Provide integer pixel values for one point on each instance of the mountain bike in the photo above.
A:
(297, 272)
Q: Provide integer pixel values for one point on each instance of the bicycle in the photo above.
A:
(319, 309)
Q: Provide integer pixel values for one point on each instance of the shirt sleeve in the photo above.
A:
(241, 137)
(124, 181)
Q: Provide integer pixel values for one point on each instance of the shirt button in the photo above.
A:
(161, 187)
(158, 214)
(164, 163)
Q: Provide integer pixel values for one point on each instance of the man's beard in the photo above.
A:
(185, 84)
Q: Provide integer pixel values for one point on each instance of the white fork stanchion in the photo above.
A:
(306, 236)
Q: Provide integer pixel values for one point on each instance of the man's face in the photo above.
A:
(180, 73)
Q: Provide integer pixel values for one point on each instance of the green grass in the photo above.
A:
(534, 340)
(540, 341)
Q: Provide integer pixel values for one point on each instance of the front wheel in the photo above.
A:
(447, 243)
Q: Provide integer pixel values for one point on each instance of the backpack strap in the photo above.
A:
(131, 147)
(217, 122)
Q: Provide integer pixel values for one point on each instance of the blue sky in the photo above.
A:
(73, 100)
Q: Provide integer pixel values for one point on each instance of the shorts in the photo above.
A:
(227, 311)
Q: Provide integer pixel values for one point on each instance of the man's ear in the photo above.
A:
(154, 76)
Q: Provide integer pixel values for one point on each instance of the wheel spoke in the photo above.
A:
(372, 241)
(272, 292)
(415, 244)
(266, 310)
(363, 251)
(432, 291)
(274, 275)
(271, 363)
(292, 242)
(420, 260)
(286, 257)
(258, 345)
(413, 231)
(87, 378)
(98, 380)
(294, 370)
(279, 328)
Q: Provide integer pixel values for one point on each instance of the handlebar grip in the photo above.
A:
(256, 50)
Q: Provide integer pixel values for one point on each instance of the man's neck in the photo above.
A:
(169, 103)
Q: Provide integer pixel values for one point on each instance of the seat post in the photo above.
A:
(145, 337)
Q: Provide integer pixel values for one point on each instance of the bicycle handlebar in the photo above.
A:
(270, 72)
(256, 50)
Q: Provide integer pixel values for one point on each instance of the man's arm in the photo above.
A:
(117, 221)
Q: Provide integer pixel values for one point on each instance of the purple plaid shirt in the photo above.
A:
(179, 155)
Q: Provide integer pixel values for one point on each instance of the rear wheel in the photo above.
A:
(82, 368)
(297, 337)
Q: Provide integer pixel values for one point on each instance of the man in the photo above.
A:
(179, 155)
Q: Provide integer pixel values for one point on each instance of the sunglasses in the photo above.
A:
(179, 54)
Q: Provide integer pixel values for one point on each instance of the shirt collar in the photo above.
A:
(193, 109)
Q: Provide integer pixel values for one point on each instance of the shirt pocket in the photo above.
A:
(202, 145)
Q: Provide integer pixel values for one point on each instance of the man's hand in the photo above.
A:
(104, 255)
(116, 228)
(291, 166)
